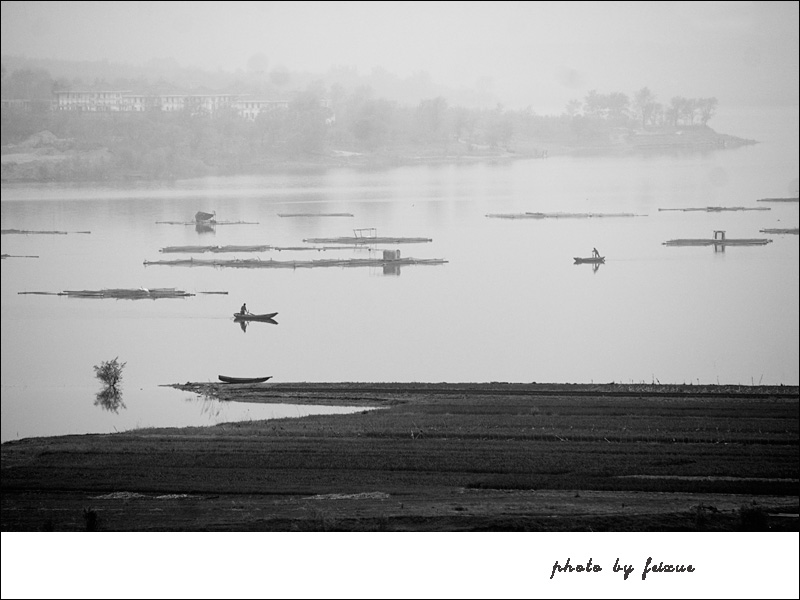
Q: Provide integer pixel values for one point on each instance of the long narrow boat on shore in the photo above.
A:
(226, 379)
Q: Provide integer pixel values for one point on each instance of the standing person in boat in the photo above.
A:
(243, 310)
(595, 253)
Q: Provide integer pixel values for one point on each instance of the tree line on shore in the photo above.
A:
(156, 144)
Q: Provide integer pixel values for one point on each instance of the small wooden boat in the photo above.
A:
(226, 379)
(252, 317)
(595, 260)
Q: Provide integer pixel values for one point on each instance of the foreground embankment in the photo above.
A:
(431, 457)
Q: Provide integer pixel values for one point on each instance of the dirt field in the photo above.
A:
(431, 457)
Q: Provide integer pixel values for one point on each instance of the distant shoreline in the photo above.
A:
(46, 159)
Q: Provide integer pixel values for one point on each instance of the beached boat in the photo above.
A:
(252, 317)
(595, 260)
(226, 379)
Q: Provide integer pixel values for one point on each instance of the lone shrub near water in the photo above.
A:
(110, 372)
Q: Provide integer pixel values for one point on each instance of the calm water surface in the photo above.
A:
(509, 305)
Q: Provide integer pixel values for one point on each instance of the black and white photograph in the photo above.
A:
(284, 281)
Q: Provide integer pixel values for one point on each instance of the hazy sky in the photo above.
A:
(539, 53)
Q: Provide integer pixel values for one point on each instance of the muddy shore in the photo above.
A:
(431, 457)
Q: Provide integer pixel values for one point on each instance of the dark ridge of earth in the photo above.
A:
(431, 457)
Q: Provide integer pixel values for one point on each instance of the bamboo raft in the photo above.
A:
(558, 215)
(28, 232)
(793, 231)
(368, 240)
(315, 214)
(718, 208)
(124, 294)
(297, 264)
(718, 242)
(778, 200)
(210, 223)
(261, 248)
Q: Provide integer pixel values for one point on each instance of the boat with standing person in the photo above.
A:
(239, 316)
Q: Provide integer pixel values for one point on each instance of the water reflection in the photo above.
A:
(209, 405)
(110, 399)
(244, 324)
(595, 263)
(200, 227)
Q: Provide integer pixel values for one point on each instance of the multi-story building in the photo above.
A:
(250, 108)
(91, 101)
(196, 104)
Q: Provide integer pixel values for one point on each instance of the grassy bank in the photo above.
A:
(431, 457)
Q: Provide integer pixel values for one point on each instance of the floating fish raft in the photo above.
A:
(125, 294)
(262, 248)
(368, 240)
(297, 264)
(718, 242)
(558, 215)
(718, 208)
(4, 256)
(315, 214)
(27, 232)
(793, 231)
(778, 200)
(206, 222)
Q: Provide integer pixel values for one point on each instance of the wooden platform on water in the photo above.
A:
(358, 240)
(297, 264)
(210, 223)
(793, 231)
(121, 294)
(559, 215)
(255, 248)
(718, 242)
(717, 208)
(33, 232)
(315, 214)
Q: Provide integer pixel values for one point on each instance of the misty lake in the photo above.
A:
(508, 305)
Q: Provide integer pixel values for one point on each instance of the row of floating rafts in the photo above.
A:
(257, 263)
(360, 237)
